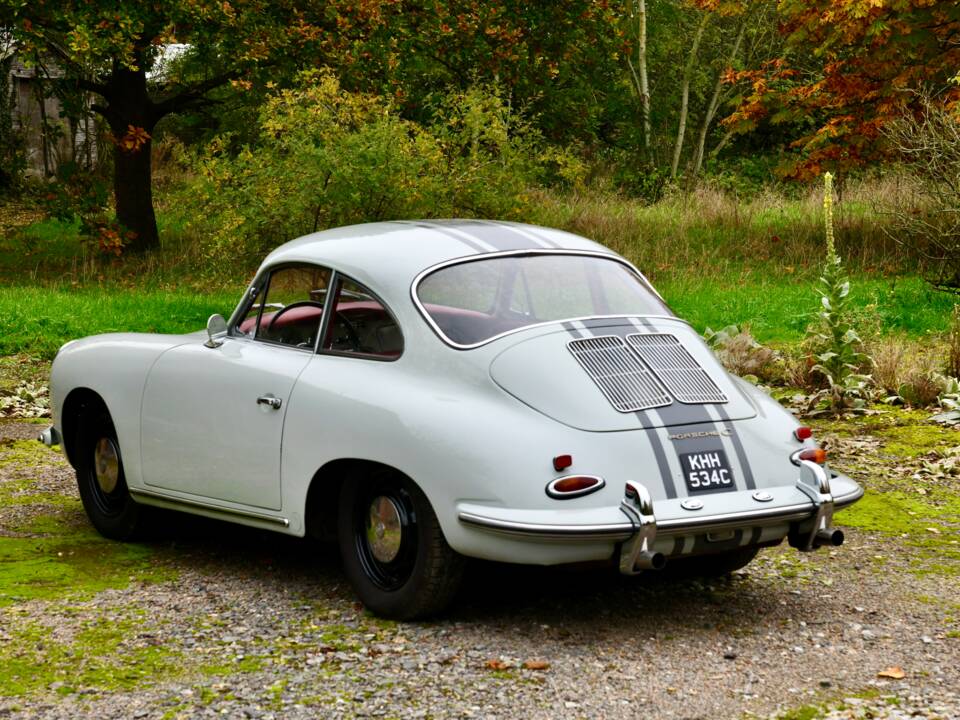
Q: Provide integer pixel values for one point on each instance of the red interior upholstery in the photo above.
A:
(470, 326)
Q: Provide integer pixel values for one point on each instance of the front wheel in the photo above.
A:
(101, 480)
(393, 550)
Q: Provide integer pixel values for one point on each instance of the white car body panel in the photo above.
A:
(465, 425)
(203, 431)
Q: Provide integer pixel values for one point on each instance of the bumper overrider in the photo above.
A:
(805, 510)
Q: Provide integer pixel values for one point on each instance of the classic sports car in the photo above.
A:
(430, 391)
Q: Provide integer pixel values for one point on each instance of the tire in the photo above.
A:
(406, 571)
(713, 566)
(101, 480)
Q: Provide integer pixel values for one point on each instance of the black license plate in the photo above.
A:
(707, 471)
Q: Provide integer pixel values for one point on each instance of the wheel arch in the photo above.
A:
(323, 494)
(75, 404)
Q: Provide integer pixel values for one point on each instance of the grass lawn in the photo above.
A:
(36, 320)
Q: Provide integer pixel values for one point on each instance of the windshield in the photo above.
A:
(474, 301)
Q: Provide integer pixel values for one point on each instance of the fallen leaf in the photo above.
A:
(496, 665)
(536, 665)
(933, 530)
(892, 673)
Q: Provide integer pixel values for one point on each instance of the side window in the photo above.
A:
(360, 324)
(287, 308)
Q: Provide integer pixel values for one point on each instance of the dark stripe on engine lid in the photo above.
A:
(694, 419)
(663, 467)
(670, 415)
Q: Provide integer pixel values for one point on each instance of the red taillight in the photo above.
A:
(817, 455)
(803, 433)
(562, 462)
(573, 486)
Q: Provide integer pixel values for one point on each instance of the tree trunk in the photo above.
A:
(715, 100)
(642, 71)
(130, 113)
(685, 93)
(132, 192)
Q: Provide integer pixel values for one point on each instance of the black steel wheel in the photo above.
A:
(100, 478)
(393, 549)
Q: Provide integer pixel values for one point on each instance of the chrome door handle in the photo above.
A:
(271, 400)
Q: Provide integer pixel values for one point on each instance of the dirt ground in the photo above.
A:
(206, 619)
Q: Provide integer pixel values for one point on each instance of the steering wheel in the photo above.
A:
(353, 337)
(291, 306)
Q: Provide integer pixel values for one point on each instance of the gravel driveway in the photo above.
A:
(207, 619)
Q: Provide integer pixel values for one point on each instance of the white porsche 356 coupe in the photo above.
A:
(429, 391)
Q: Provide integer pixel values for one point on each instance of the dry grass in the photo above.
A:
(913, 370)
(708, 225)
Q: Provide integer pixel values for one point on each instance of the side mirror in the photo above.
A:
(216, 331)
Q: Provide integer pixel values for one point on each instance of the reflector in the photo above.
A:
(562, 462)
(803, 433)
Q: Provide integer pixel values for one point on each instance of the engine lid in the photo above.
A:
(621, 374)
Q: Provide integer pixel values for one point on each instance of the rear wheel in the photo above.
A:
(714, 566)
(393, 550)
(101, 480)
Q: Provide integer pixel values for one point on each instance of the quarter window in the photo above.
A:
(288, 307)
(360, 324)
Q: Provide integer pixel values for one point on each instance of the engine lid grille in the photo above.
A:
(676, 368)
(625, 381)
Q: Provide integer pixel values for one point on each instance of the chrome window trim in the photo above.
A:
(327, 315)
(248, 298)
(522, 253)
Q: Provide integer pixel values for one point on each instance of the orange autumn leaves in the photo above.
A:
(850, 67)
(133, 140)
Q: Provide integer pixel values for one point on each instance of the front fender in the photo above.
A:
(115, 367)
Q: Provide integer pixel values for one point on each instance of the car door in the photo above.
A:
(212, 417)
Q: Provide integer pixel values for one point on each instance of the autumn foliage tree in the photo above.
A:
(851, 67)
(109, 49)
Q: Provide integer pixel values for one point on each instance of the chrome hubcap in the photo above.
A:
(384, 529)
(106, 465)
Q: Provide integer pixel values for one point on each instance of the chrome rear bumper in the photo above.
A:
(810, 522)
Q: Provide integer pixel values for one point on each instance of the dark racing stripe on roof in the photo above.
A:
(528, 232)
(499, 237)
(466, 240)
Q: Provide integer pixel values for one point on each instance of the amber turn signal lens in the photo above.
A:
(817, 455)
(803, 433)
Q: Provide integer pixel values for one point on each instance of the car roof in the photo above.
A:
(387, 256)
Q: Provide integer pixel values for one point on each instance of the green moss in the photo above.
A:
(929, 528)
(104, 654)
(26, 453)
(916, 439)
(59, 555)
(807, 712)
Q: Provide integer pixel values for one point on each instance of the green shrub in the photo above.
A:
(327, 157)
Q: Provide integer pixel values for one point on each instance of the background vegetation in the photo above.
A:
(688, 135)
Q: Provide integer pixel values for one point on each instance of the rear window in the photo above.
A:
(477, 300)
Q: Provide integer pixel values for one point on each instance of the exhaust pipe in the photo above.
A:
(647, 560)
(829, 536)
